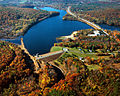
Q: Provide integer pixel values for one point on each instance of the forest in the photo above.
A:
(99, 13)
(15, 65)
(90, 66)
(85, 72)
(94, 43)
(16, 21)
(107, 16)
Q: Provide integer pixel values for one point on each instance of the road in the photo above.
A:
(34, 59)
(85, 21)
(45, 58)
(48, 54)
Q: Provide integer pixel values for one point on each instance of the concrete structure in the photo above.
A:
(38, 57)
(96, 33)
(22, 46)
(41, 57)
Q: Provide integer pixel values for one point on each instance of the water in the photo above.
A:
(109, 27)
(42, 36)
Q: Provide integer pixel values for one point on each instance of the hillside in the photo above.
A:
(100, 13)
(15, 65)
(107, 16)
(85, 63)
(16, 21)
(89, 67)
(17, 73)
(91, 77)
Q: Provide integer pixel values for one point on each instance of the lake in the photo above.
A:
(42, 36)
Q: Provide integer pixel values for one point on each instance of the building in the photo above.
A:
(96, 33)
(65, 50)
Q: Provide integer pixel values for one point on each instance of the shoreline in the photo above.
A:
(92, 24)
(71, 36)
(51, 14)
(70, 18)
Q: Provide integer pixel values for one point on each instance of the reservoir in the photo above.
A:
(42, 36)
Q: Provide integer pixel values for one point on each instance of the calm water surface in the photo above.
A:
(42, 36)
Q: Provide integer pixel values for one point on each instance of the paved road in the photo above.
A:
(48, 54)
(37, 66)
(43, 56)
(85, 21)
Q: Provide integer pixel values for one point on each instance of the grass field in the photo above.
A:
(55, 48)
(82, 53)
(85, 53)
(93, 67)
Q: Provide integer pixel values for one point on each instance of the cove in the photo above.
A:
(42, 36)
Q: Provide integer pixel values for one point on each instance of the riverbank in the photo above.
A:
(52, 28)
(23, 19)
(26, 28)
(72, 36)
(52, 14)
(69, 17)
(92, 16)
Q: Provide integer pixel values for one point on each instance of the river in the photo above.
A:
(42, 36)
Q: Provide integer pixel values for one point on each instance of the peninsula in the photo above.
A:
(16, 21)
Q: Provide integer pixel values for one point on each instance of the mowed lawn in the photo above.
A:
(81, 53)
(85, 53)
(55, 48)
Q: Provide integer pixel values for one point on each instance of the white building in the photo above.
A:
(96, 33)
(65, 50)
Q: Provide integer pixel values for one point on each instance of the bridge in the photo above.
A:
(86, 21)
